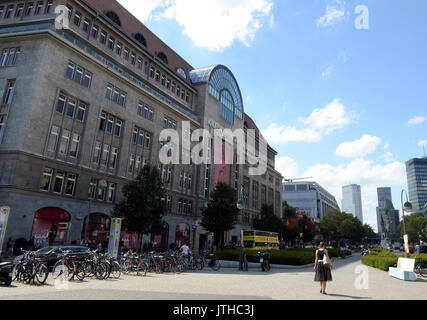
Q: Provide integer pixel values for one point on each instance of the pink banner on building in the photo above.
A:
(222, 165)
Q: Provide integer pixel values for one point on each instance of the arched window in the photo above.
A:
(161, 55)
(113, 17)
(140, 38)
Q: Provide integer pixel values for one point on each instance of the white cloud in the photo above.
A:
(334, 13)
(416, 120)
(211, 24)
(366, 145)
(328, 70)
(334, 116)
(320, 122)
(386, 145)
(287, 166)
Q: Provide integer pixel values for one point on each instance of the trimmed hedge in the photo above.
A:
(383, 259)
(293, 257)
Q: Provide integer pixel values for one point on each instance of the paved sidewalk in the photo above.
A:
(231, 284)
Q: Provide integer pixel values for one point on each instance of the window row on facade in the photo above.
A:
(9, 57)
(127, 54)
(26, 9)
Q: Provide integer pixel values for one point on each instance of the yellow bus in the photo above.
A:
(260, 240)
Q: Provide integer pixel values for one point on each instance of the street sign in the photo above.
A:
(4, 217)
(113, 244)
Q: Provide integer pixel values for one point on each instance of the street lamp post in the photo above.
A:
(406, 207)
(240, 205)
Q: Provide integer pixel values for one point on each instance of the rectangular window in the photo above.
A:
(141, 138)
(30, 8)
(131, 163)
(71, 107)
(87, 79)
(53, 139)
(19, 10)
(65, 139)
(147, 141)
(150, 114)
(39, 9)
(139, 109)
(79, 75)
(178, 90)
(111, 43)
(10, 89)
(70, 184)
(92, 188)
(2, 124)
(11, 57)
(47, 179)
(157, 76)
(110, 124)
(105, 154)
(59, 181)
(132, 58)
(9, 11)
(113, 160)
(101, 193)
(118, 128)
(163, 80)
(139, 65)
(1, 11)
(102, 120)
(86, 25)
(102, 37)
(168, 84)
(70, 11)
(126, 53)
(77, 18)
(138, 163)
(116, 95)
(109, 91)
(81, 113)
(4, 56)
(118, 48)
(61, 103)
(111, 192)
(122, 100)
(94, 32)
(134, 135)
(74, 147)
(70, 70)
(97, 154)
(49, 6)
(152, 72)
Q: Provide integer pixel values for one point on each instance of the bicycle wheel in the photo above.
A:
(422, 270)
(216, 265)
(141, 269)
(16, 271)
(79, 271)
(41, 274)
(88, 268)
(116, 270)
(101, 271)
(62, 271)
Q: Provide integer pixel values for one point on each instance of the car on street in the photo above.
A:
(53, 254)
(423, 249)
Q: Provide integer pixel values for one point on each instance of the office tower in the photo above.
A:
(352, 200)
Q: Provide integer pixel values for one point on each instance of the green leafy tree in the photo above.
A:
(306, 228)
(416, 225)
(368, 232)
(341, 226)
(221, 213)
(290, 217)
(268, 221)
(142, 206)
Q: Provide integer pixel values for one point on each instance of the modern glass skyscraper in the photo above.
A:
(352, 200)
(416, 173)
(387, 218)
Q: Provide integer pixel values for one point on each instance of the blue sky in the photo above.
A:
(341, 104)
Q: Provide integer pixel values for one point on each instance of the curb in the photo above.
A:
(236, 264)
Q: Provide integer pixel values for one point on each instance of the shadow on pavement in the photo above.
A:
(345, 296)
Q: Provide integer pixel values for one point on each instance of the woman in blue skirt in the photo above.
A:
(323, 274)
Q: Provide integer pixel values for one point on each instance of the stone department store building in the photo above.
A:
(81, 112)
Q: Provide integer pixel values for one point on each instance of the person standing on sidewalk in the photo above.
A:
(323, 273)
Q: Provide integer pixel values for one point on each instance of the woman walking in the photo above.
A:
(323, 273)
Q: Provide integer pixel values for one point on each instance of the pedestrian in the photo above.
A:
(323, 273)
(9, 247)
(185, 249)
